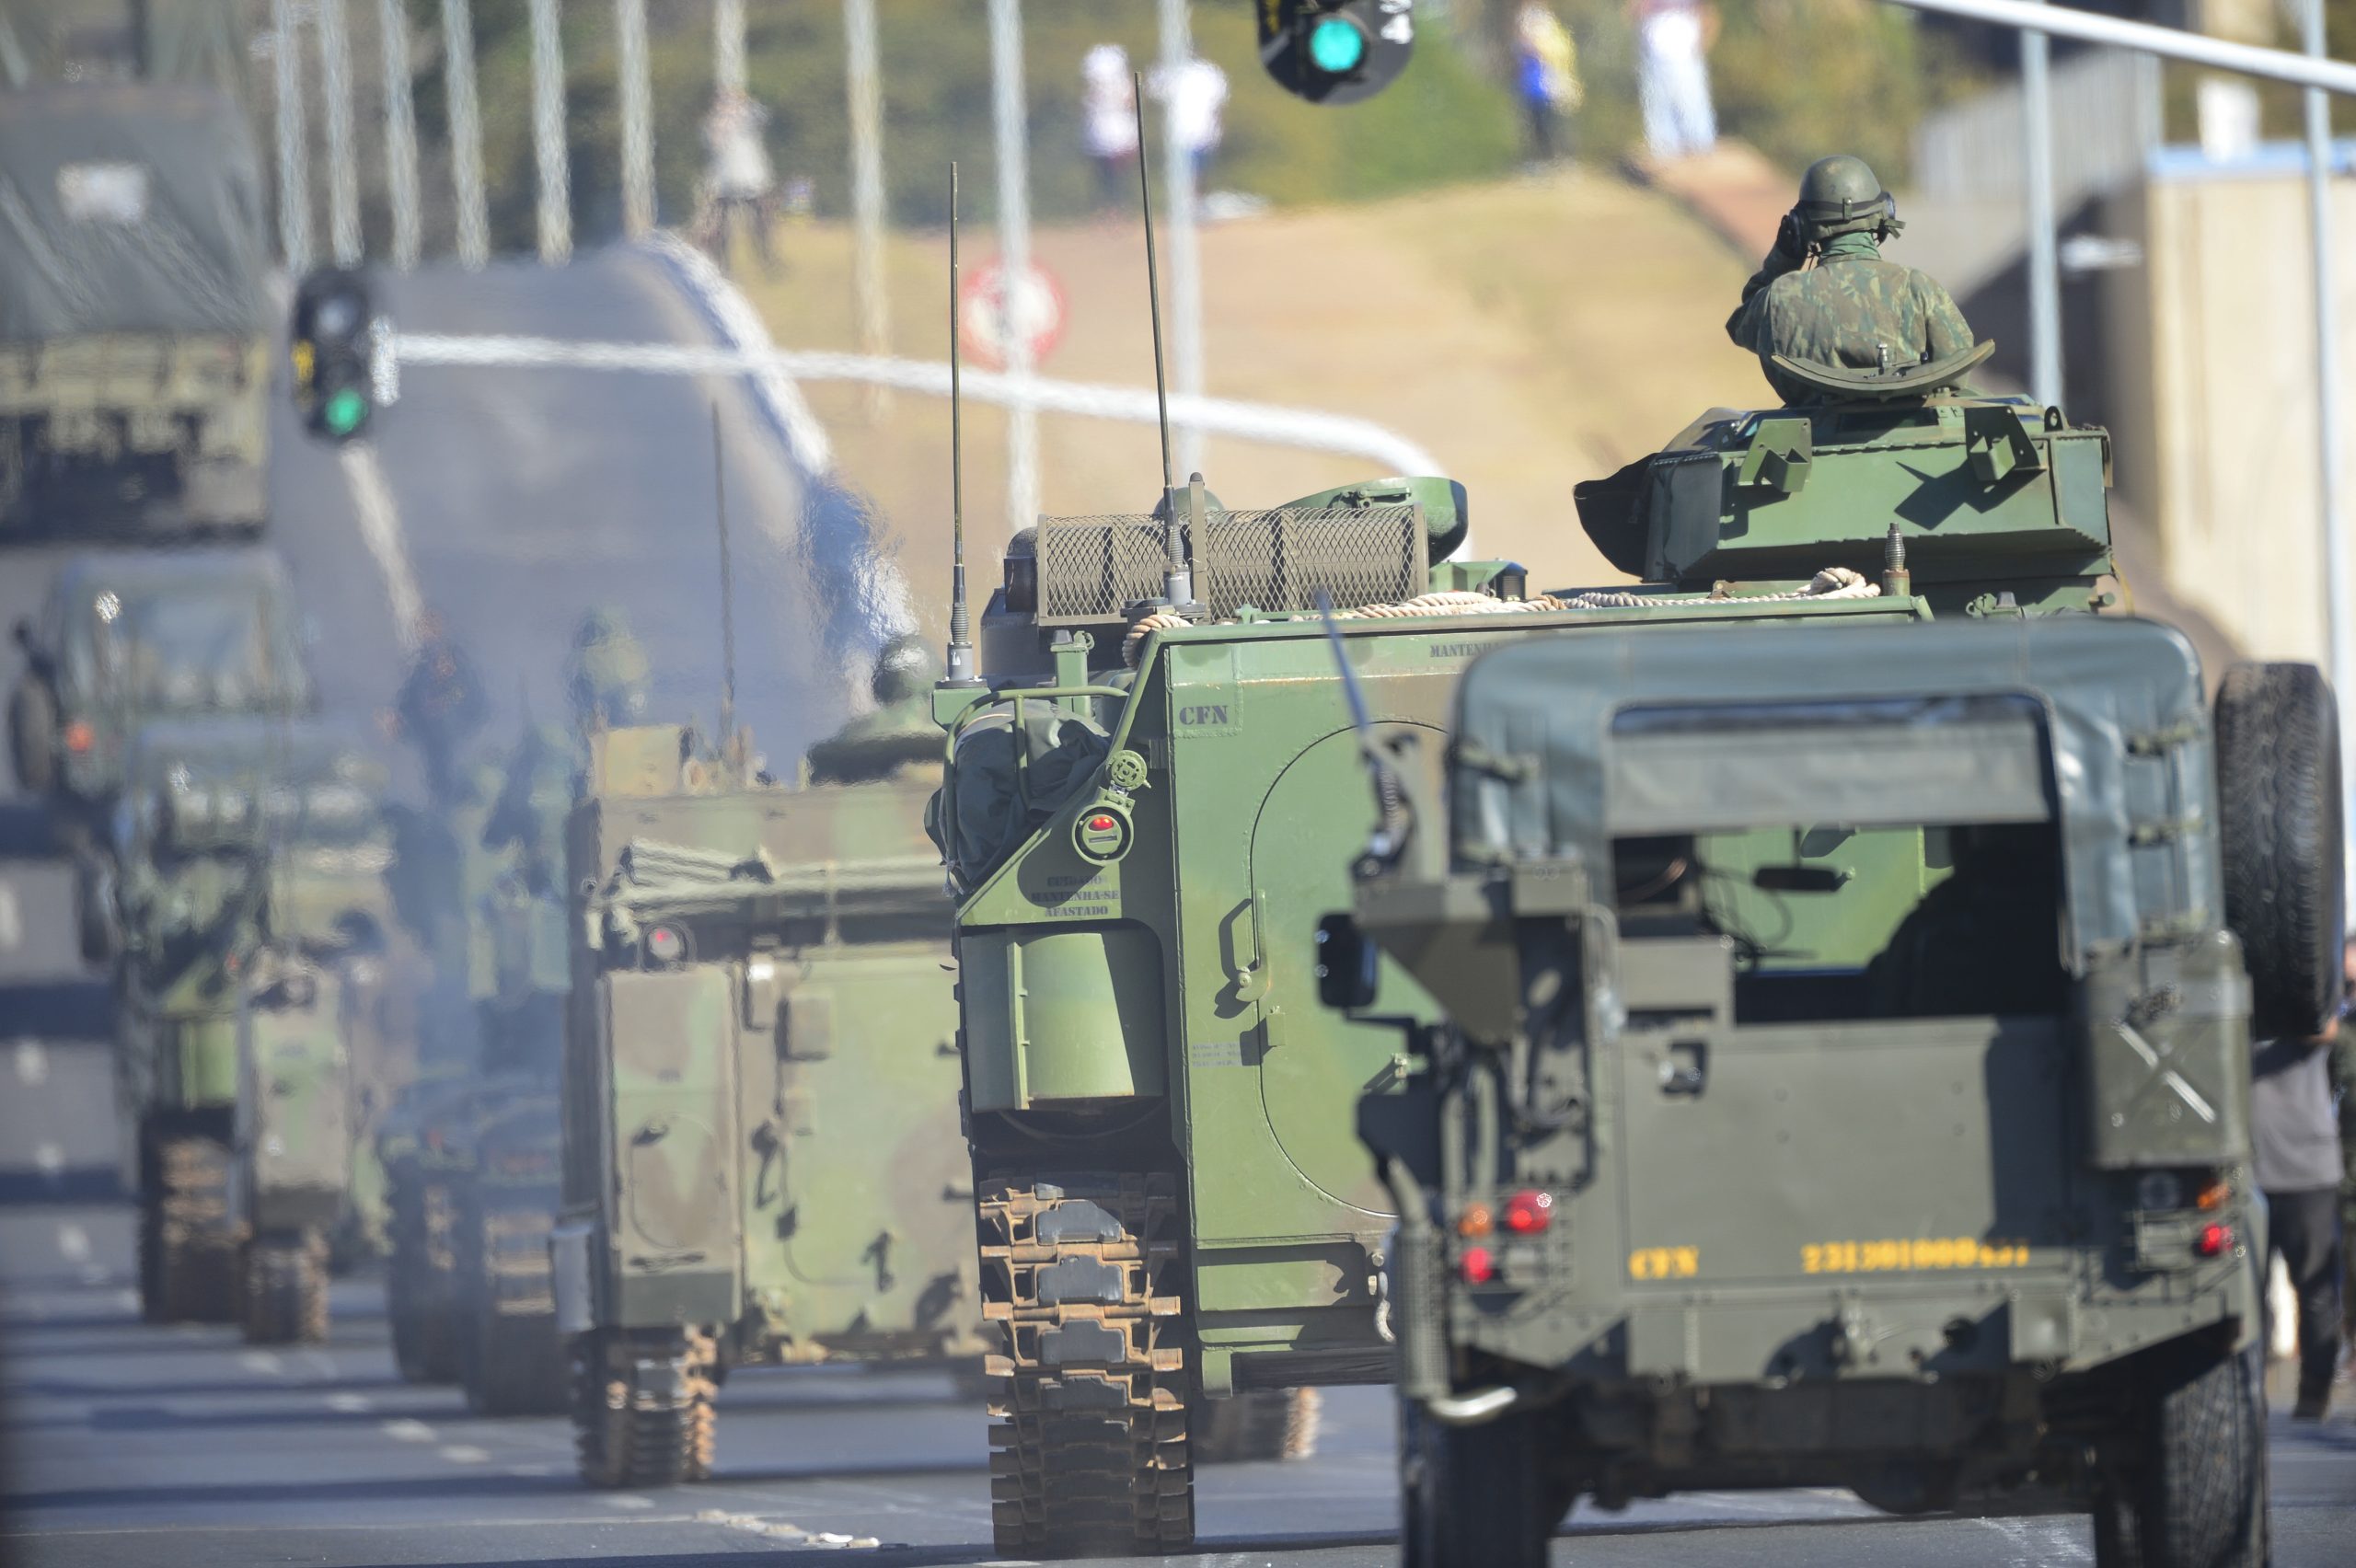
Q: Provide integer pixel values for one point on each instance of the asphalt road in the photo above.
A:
(518, 498)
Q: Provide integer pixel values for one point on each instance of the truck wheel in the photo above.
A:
(1258, 1426)
(33, 737)
(642, 1406)
(1473, 1496)
(2279, 827)
(1081, 1282)
(2198, 1497)
(285, 1290)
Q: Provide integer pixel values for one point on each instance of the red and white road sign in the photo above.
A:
(995, 306)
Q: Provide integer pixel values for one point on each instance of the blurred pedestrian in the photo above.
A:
(2299, 1165)
(441, 705)
(1196, 91)
(1673, 77)
(1108, 102)
(1546, 79)
(740, 187)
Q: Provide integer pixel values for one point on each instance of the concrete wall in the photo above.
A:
(2211, 364)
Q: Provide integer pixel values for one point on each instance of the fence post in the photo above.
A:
(862, 86)
(343, 176)
(548, 134)
(466, 131)
(638, 120)
(401, 132)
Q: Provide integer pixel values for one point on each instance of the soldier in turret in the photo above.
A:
(605, 677)
(1849, 309)
(899, 732)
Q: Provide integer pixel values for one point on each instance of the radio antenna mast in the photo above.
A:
(1177, 575)
(961, 639)
(727, 590)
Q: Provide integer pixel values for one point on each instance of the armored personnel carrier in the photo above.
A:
(762, 1161)
(1146, 822)
(251, 859)
(133, 340)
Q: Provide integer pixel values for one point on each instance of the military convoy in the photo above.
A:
(134, 347)
(762, 1161)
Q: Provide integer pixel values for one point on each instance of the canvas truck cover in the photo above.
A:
(127, 209)
(1565, 742)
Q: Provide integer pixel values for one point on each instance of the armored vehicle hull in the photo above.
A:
(1843, 1088)
(762, 1161)
(133, 356)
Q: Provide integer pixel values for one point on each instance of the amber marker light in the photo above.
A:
(2215, 1195)
(80, 737)
(1477, 1220)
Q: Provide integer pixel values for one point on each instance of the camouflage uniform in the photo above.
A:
(1853, 310)
(1843, 311)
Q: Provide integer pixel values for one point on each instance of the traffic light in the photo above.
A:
(1335, 51)
(333, 349)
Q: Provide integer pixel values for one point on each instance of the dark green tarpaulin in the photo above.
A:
(127, 209)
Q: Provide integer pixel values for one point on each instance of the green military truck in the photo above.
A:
(762, 1161)
(1846, 1075)
(134, 351)
(235, 839)
(123, 639)
(1145, 822)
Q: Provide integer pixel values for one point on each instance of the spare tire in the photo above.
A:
(33, 737)
(2280, 829)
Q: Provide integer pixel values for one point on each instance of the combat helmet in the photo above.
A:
(1840, 195)
(607, 678)
(904, 670)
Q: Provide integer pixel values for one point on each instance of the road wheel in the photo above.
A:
(642, 1409)
(2197, 1497)
(1475, 1496)
(2279, 827)
(1082, 1280)
(33, 737)
(285, 1290)
(1258, 1426)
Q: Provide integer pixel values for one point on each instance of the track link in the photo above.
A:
(285, 1295)
(189, 1250)
(1258, 1426)
(643, 1406)
(1083, 1287)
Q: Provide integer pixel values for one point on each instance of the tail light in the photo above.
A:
(1530, 1213)
(1477, 1265)
(2213, 1239)
(80, 737)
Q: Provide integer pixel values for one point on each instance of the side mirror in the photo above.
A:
(1345, 965)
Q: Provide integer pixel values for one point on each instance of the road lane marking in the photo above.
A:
(50, 1160)
(2039, 1543)
(782, 1529)
(263, 1361)
(464, 1453)
(626, 1501)
(73, 1242)
(380, 530)
(531, 1471)
(12, 919)
(32, 1063)
(407, 1431)
(351, 1404)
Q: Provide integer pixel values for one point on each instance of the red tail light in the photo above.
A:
(1528, 1213)
(1478, 1265)
(2214, 1239)
(80, 737)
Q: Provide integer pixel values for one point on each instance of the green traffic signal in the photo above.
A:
(1336, 46)
(345, 410)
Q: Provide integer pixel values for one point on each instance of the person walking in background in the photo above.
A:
(1109, 124)
(2294, 1129)
(740, 187)
(1196, 91)
(1546, 79)
(1673, 77)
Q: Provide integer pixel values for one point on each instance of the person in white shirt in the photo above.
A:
(1673, 77)
(1196, 94)
(737, 177)
(1108, 122)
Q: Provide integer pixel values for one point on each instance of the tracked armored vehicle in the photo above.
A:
(762, 1163)
(134, 344)
(1147, 817)
(250, 858)
(1842, 1072)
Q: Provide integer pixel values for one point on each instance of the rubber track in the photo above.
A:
(628, 1437)
(195, 1249)
(515, 1363)
(286, 1292)
(1080, 1281)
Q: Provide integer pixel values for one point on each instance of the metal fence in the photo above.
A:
(2106, 119)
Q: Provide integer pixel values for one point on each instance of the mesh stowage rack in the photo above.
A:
(1091, 568)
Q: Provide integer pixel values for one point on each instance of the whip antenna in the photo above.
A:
(961, 640)
(727, 588)
(1177, 575)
